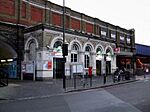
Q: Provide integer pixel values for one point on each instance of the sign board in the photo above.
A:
(47, 65)
(23, 67)
(117, 50)
(30, 67)
(77, 68)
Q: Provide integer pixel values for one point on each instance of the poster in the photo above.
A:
(74, 69)
(30, 67)
(77, 68)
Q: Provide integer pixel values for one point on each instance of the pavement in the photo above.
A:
(19, 90)
(29, 89)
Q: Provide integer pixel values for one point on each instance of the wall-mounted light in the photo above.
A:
(9, 60)
(3, 60)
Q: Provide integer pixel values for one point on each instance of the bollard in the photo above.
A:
(74, 81)
(104, 79)
(91, 81)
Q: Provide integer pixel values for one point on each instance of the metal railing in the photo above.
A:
(78, 82)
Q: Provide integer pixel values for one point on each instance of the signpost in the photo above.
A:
(28, 68)
(77, 69)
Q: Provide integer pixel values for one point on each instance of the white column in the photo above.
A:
(81, 58)
(93, 63)
(103, 66)
(113, 64)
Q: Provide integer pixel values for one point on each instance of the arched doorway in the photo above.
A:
(108, 61)
(99, 60)
(30, 49)
(58, 68)
(8, 60)
(30, 59)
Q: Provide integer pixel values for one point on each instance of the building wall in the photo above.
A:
(50, 37)
(33, 12)
(84, 29)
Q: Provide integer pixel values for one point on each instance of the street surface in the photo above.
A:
(136, 94)
(129, 97)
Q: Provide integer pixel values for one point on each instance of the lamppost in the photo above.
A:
(63, 47)
(105, 59)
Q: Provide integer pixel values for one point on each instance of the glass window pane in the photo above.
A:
(75, 56)
(88, 49)
(71, 57)
(85, 61)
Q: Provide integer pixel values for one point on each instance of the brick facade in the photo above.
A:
(56, 19)
(75, 24)
(23, 10)
(34, 12)
(7, 7)
(89, 28)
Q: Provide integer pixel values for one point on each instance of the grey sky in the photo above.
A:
(124, 13)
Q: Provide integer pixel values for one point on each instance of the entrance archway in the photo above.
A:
(58, 68)
(99, 57)
(8, 60)
(108, 61)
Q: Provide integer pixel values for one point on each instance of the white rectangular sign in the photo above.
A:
(77, 68)
(29, 68)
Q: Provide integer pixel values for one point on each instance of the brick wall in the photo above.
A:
(75, 24)
(56, 19)
(67, 22)
(33, 12)
(36, 14)
(7, 7)
(89, 28)
(23, 10)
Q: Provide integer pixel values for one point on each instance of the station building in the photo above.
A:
(37, 26)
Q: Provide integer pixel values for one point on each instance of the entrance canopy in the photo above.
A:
(142, 50)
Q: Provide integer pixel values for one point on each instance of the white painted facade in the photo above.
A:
(46, 52)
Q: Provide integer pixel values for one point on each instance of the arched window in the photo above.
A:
(87, 56)
(74, 53)
(58, 48)
(75, 47)
(32, 51)
(87, 49)
(109, 54)
(99, 53)
(57, 44)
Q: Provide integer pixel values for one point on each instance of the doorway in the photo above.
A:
(108, 67)
(98, 67)
(58, 68)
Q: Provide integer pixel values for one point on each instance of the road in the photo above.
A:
(136, 94)
(130, 97)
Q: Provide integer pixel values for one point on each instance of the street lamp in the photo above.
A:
(105, 59)
(63, 47)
